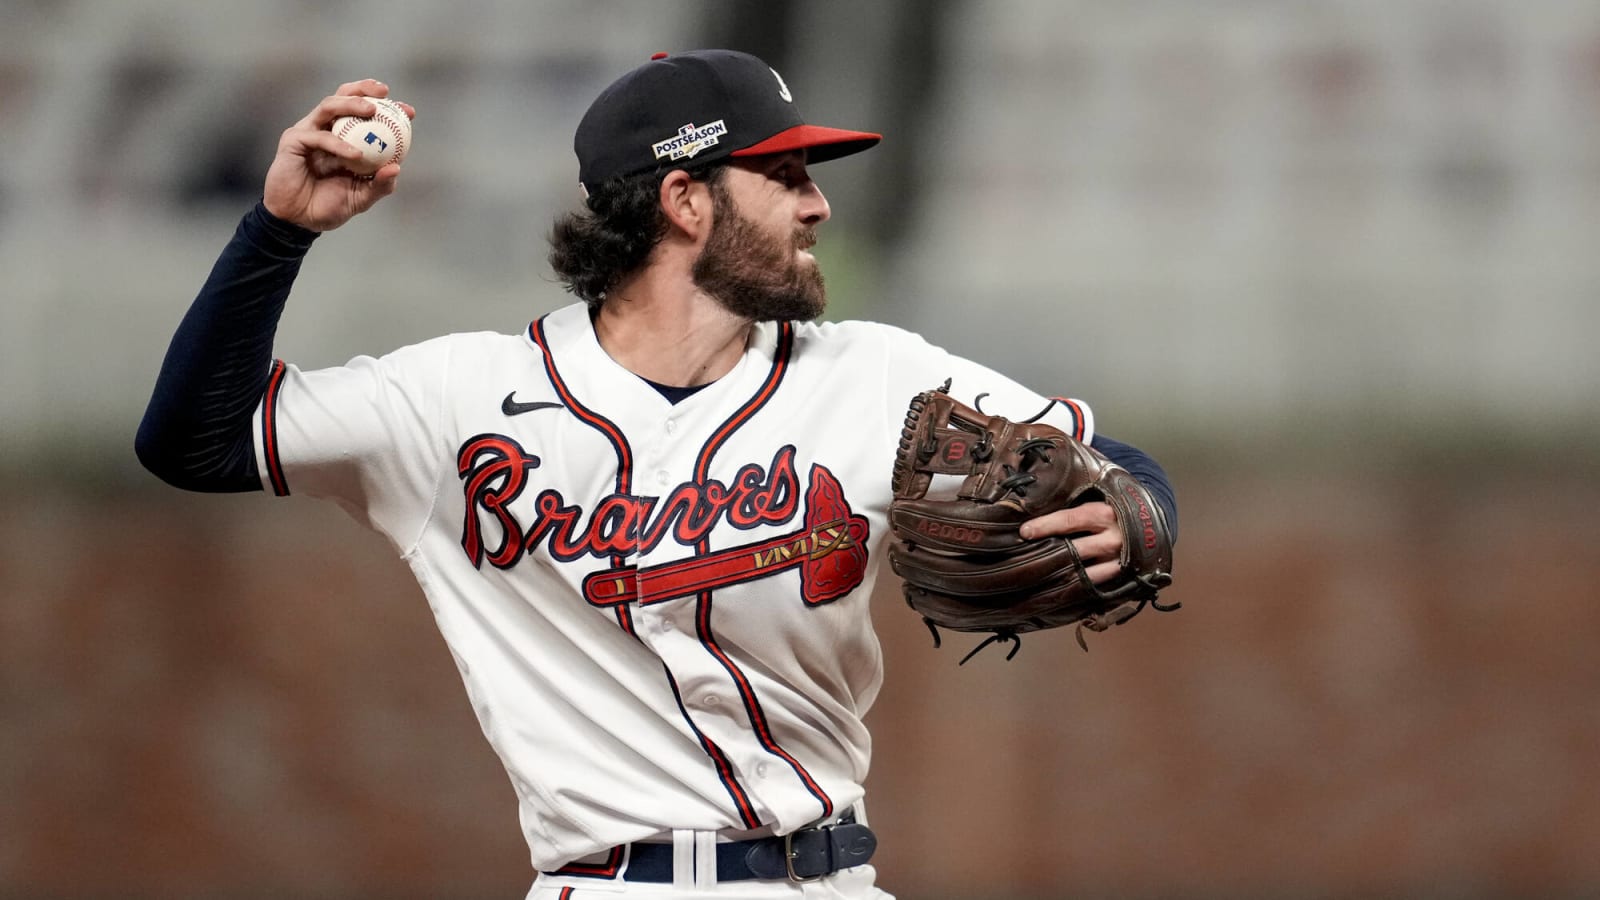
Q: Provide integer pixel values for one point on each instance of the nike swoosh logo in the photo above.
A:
(513, 408)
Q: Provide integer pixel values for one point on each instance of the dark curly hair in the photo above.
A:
(595, 248)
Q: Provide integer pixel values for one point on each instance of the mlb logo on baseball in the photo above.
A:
(689, 140)
(382, 137)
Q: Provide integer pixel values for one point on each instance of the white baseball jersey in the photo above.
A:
(659, 611)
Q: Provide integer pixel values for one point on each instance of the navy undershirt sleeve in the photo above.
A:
(1146, 470)
(196, 430)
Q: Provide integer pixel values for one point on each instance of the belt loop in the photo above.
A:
(705, 859)
(683, 858)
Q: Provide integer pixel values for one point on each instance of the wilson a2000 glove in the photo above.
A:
(964, 565)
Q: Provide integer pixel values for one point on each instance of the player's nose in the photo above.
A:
(814, 208)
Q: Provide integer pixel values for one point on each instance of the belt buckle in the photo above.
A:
(789, 855)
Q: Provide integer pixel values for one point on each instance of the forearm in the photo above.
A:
(196, 429)
(1148, 472)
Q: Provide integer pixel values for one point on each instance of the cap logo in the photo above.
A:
(783, 89)
(689, 140)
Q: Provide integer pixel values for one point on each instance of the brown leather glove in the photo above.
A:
(964, 564)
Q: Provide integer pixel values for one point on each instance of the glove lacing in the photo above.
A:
(1031, 450)
(1000, 634)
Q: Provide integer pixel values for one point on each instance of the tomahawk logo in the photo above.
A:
(829, 549)
(783, 89)
(690, 140)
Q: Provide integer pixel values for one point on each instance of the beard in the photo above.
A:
(755, 275)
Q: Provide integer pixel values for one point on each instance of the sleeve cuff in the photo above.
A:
(274, 236)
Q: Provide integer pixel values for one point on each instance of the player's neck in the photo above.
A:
(679, 337)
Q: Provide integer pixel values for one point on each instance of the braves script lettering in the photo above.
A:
(495, 470)
(829, 549)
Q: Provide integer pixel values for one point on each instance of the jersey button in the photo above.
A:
(672, 426)
(761, 770)
(662, 477)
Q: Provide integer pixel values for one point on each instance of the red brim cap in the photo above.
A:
(698, 107)
(820, 143)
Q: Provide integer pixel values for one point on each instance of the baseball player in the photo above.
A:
(649, 522)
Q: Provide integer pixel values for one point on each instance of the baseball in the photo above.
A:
(384, 138)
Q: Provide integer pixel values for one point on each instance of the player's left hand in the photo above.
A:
(1095, 533)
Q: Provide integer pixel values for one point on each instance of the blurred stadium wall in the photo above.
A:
(1332, 263)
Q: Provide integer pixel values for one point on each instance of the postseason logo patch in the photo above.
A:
(689, 140)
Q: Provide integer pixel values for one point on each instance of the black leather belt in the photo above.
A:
(804, 855)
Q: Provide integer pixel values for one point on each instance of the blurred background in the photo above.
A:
(1332, 263)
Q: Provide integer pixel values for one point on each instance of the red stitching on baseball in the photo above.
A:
(399, 148)
(394, 128)
(399, 138)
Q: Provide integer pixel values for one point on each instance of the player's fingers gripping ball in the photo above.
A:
(383, 138)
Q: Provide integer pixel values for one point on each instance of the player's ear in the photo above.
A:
(686, 203)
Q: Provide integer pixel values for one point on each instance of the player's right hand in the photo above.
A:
(1092, 527)
(318, 181)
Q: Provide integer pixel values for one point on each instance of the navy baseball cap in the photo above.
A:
(684, 108)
